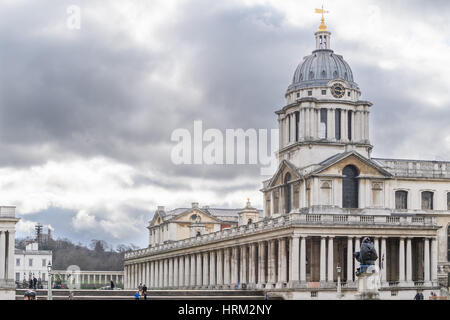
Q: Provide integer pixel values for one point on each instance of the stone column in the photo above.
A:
(226, 267)
(220, 267)
(426, 265)
(234, 266)
(401, 263)
(243, 268)
(293, 261)
(261, 265)
(317, 111)
(2, 255)
(307, 123)
(434, 260)
(302, 125)
(175, 272)
(156, 266)
(383, 259)
(323, 259)
(271, 264)
(11, 260)
(212, 269)
(350, 269)
(252, 265)
(181, 281)
(282, 263)
(357, 248)
(303, 260)
(198, 267)
(376, 244)
(205, 269)
(193, 272)
(166, 273)
(409, 262)
(152, 274)
(330, 260)
(170, 280)
(187, 270)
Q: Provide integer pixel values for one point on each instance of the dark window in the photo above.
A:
(337, 128)
(298, 94)
(250, 221)
(350, 187)
(297, 121)
(401, 200)
(348, 93)
(427, 200)
(287, 192)
(323, 123)
(324, 92)
(448, 201)
(309, 93)
(349, 125)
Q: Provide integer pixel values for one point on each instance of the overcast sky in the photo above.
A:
(86, 115)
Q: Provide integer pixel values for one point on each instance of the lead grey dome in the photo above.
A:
(319, 68)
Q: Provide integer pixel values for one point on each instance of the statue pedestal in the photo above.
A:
(369, 284)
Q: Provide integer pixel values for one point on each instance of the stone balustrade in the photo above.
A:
(7, 212)
(287, 221)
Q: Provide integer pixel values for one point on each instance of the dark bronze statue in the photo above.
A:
(366, 256)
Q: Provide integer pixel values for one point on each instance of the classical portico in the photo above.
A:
(8, 222)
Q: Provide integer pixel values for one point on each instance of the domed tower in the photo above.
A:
(323, 115)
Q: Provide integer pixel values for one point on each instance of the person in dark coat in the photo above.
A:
(144, 291)
(34, 282)
(112, 285)
(30, 284)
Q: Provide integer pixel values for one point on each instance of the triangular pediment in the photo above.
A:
(189, 216)
(284, 168)
(157, 219)
(365, 166)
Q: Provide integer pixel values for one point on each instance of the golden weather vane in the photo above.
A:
(322, 26)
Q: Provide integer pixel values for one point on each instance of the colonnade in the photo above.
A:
(307, 126)
(284, 262)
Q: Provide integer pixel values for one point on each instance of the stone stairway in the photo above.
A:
(63, 294)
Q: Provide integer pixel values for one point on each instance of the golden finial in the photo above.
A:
(322, 26)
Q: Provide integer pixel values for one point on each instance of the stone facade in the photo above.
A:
(327, 193)
(8, 222)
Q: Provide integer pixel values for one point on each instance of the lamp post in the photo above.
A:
(50, 278)
(339, 289)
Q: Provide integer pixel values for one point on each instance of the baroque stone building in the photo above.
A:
(327, 193)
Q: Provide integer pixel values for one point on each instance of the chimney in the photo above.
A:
(194, 205)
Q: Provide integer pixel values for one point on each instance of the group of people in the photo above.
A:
(142, 292)
(32, 283)
(419, 295)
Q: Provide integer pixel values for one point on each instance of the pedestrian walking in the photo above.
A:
(112, 285)
(144, 291)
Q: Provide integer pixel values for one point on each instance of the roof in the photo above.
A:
(409, 168)
(319, 68)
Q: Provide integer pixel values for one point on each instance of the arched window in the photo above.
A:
(198, 234)
(250, 221)
(350, 187)
(287, 193)
(401, 199)
(427, 200)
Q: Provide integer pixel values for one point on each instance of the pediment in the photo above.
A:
(365, 166)
(284, 168)
(190, 216)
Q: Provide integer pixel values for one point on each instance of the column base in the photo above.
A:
(280, 285)
(260, 286)
(270, 286)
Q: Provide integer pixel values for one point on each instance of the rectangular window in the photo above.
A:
(298, 94)
(349, 125)
(17, 276)
(337, 119)
(297, 121)
(401, 200)
(324, 92)
(43, 277)
(30, 262)
(427, 200)
(44, 264)
(17, 262)
(310, 93)
(348, 93)
(323, 124)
